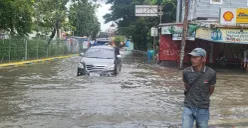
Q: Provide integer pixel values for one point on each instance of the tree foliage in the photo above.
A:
(16, 16)
(47, 17)
(83, 18)
(123, 13)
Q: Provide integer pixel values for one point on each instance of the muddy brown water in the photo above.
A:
(142, 96)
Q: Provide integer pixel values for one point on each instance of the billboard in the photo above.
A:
(223, 35)
(146, 10)
(177, 31)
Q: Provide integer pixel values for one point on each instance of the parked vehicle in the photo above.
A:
(100, 61)
(101, 41)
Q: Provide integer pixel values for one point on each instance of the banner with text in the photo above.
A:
(224, 35)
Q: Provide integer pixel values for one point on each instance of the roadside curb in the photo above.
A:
(35, 61)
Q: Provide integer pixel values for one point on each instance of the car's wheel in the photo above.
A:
(78, 72)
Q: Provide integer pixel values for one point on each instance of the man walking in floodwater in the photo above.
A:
(199, 81)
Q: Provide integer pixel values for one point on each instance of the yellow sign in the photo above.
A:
(203, 33)
(242, 15)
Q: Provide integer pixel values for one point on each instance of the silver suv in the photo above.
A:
(100, 61)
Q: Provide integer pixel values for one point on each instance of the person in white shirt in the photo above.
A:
(245, 61)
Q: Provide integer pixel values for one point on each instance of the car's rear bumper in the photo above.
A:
(102, 73)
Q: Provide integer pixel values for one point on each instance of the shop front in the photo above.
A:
(230, 43)
(225, 46)
(170, 43)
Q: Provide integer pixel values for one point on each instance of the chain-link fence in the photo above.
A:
(24, 49)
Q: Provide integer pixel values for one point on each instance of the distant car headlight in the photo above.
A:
(81, 65)
(112, 67)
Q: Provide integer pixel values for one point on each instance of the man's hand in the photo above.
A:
(186, 86)
(211, 90)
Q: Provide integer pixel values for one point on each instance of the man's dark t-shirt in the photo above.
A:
(198, 94)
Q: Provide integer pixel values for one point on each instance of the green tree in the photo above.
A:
(16, 16)
(123, 13)
(118, 40)
(49, 17)
(82, 17)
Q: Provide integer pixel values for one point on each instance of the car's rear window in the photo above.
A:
(100, 53)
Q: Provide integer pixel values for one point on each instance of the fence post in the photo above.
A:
(26, 49)
(37, 54)
(56, 47)
(63, 45)
(47, 51)
(9, 49)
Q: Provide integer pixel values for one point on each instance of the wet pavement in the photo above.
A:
(142, 96)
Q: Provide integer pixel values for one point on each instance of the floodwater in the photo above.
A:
(142, 96)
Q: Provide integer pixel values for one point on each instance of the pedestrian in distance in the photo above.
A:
(199, 81)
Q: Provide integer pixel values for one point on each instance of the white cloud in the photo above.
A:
(101, 11)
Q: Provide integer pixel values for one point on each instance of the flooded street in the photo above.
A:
(142, 96)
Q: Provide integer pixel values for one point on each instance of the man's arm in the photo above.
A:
(212, 84)
(185, 80)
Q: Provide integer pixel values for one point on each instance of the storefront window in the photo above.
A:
(216, 1)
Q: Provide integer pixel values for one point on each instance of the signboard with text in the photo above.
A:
(190, 36)
(146, 10)
(230, 35)
(166, 30)
(177, 30)
(154, 31)
(223, 35)
(203, 33)
(233, 16)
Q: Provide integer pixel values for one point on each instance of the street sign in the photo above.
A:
(154, 31)
(146, 10)
(160, 13)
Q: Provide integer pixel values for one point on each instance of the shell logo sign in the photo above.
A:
(228, 16)
(233, 16)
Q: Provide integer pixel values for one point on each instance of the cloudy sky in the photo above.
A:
(101, 11)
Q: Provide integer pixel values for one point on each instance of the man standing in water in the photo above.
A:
(199, 81)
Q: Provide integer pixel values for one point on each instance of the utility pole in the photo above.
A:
(160, 22)
(185, 31)
(160, 13)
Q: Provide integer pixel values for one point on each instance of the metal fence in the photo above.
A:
(24, 49)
